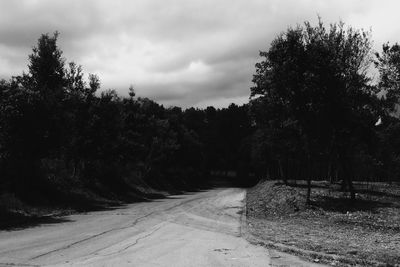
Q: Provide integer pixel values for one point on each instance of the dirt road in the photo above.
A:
(201, 229)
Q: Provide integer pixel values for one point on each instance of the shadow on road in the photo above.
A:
(12, 221)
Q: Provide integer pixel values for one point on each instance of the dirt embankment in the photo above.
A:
(332, 229)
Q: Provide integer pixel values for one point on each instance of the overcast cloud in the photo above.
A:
(180, 53)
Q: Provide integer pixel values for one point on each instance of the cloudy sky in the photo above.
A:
(184, 53)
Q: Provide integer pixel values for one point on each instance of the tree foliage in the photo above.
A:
(57, 135)
(313, 83)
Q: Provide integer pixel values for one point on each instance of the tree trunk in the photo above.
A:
(329, 173)
(348, 179)
(283, 177)
(351, 188)
(308, 200)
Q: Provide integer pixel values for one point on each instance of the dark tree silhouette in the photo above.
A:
(314, 79)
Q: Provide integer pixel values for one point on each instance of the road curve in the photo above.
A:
(199, 229)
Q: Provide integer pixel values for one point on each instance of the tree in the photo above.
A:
(315, 79)
(132, 93)
(75, 85)
(46, 68)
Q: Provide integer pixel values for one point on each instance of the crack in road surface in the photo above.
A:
(201, 229)
(111, 230)
(134, 243)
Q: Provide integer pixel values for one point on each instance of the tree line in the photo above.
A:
(315, 113)
(58, 134)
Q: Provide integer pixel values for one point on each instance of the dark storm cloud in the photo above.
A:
(177, 52)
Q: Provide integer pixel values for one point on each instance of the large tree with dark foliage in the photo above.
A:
(314, 80)
(34, 123)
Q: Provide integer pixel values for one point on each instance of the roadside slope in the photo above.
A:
(331, 230)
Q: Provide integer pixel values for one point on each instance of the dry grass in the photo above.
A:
(365, 232)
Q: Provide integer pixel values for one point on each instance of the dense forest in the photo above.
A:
(59, 136)
(315, 113)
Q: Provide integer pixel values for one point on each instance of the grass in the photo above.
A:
(333, 229)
